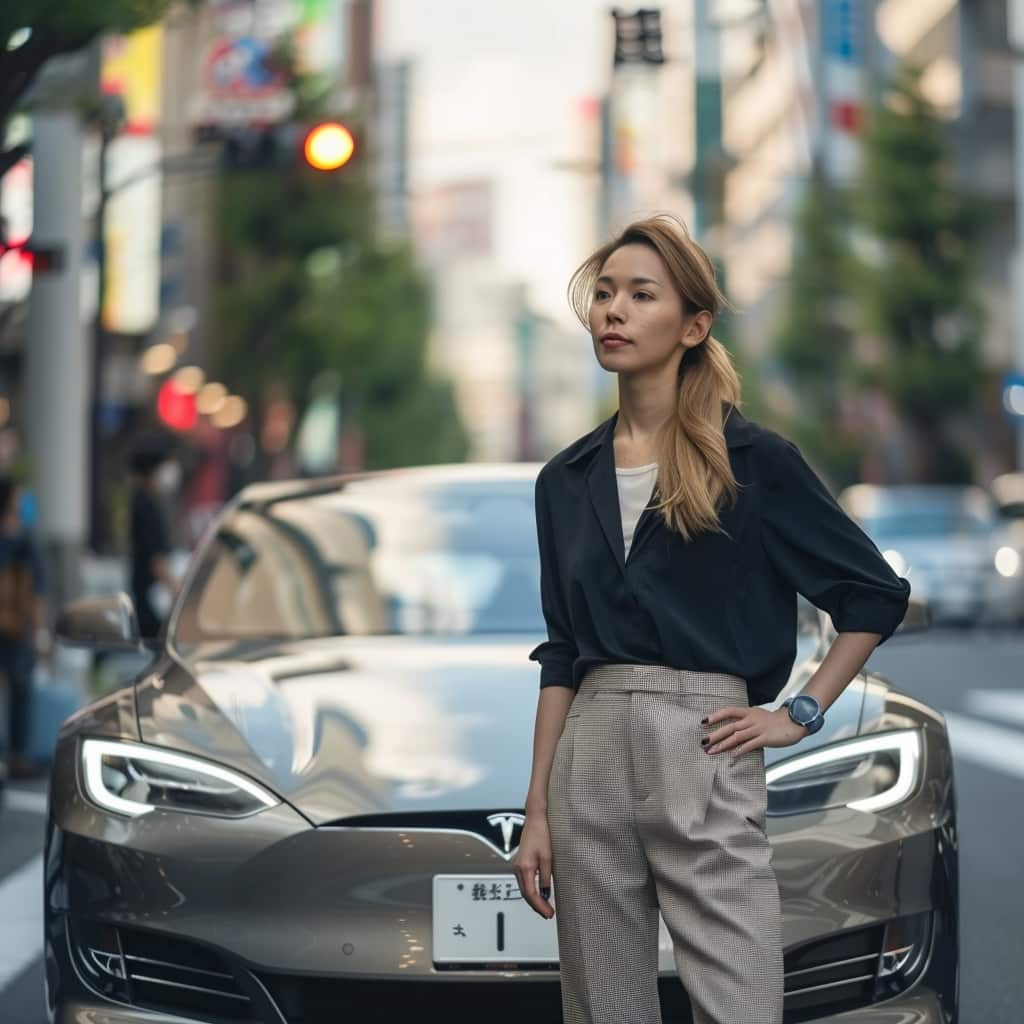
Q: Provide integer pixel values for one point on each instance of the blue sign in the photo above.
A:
(842, 30)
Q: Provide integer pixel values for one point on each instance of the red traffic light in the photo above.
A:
(176, 406)
(328, 146)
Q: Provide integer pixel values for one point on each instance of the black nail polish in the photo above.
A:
(546, 893)
(703, 721)
(704, 741)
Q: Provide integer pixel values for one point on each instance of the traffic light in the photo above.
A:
(328, 146)
(176, 406)
(323, 145)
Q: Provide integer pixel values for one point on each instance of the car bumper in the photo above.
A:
(303, 919)
(916, 1007)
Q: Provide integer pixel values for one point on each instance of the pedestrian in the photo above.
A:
(674, 538)
(24, 631)
(157, 477)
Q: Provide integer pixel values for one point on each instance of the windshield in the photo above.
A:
(370, 559)
(925, 523)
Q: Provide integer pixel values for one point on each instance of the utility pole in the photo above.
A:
(1015, 17)
(111, 115)
(708, 162)
(55, 361)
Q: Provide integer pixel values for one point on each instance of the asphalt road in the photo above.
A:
(976, 678)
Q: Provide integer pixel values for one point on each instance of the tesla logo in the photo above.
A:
(508, 823)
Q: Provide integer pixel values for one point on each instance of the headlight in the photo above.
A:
(131, 779)
(1006, 561)
(867, 774)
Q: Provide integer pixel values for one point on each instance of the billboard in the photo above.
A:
(131, 68)
(245, 73)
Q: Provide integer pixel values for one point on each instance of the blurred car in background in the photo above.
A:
(306, 808)
(1007, 492)
(950, 542)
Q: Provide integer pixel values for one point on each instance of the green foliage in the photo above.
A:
(813, 343)
(890, 265)
(305, 287)
(916, 278)
(78, 19)
(56, 27)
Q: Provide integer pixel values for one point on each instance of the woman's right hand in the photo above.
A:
(532, 863)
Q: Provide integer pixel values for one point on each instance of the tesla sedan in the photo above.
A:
(305, 808)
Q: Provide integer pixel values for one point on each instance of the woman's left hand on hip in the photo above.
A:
(740, 729)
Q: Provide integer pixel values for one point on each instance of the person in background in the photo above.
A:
(24, 632)
(157, 476)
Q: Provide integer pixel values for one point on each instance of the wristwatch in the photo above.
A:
(806, 711)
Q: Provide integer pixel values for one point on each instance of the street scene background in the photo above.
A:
(258, 240)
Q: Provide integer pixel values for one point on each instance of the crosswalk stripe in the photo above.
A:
(21, 925)
(1005, 704)
(994, 746)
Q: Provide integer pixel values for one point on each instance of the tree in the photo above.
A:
(916, 281)
(33, 31)
(813, 342)
(305, 287)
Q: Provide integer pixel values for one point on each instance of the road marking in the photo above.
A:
(21, 921)
(991, 745)
(1006, 704)
(31, 800)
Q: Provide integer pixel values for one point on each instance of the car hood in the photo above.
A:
(354, 726)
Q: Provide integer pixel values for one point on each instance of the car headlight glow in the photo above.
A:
(1007, 561)
(867, 773)
(133, 779)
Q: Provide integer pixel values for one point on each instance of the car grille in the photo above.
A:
(823, 977)
(149, 970)
(834, 974)
(855, 968)
(304, 1000)
(156, 972)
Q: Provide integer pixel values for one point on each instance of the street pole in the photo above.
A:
(55, 360)
(707, 161)
(110, 118)
(1015, 18)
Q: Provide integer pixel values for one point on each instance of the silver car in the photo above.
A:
(949, 541)
(306, 807)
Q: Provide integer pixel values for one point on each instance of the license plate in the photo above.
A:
(483, 919)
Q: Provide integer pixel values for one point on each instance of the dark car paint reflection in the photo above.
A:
(452, 560)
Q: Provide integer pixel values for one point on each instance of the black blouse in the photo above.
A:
(724, 602)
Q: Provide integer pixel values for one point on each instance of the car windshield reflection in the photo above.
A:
(927, 523)
(369, 560)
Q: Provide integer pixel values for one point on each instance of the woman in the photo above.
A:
(674, 538)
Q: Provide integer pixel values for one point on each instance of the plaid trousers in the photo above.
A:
(642, 818)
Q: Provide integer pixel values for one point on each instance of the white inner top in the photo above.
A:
(636, 484)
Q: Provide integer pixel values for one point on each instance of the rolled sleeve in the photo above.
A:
(821, 552)
(558, 653)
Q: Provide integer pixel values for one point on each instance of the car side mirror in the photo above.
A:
(104, 623)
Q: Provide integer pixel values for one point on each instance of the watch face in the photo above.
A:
(804, 708)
